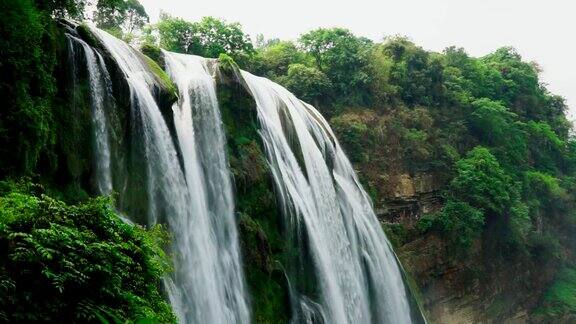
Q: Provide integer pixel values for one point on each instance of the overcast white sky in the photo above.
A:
(542, 31)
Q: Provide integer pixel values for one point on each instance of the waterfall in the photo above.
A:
(196, 200)
(99, 80)
(201, 138)
(187, 183)
(359, 278)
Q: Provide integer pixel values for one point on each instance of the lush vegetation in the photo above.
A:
(61, 262)
(76, 263)
(560, 299)
(495, 141)
(27, 83)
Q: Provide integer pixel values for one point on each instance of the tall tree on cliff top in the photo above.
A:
(126, 16)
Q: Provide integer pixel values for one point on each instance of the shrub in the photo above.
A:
(61, 263)
(560, 299)
(461, 224)
(481, 182)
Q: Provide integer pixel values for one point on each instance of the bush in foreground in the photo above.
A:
(82, 263)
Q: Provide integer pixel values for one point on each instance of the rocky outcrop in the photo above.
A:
(411, 197)
(479, 287)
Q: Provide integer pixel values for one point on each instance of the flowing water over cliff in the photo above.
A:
(215, 251)
(101, 86)
(359, 278)
(187, 184)
(196, 200)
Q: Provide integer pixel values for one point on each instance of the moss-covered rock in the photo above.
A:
(155, 53)
(263, 248)
(167, 88)
(227, 63)
(86, 34)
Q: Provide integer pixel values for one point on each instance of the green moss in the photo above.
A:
(398, 234)
(267, 284)
(415, 296)
(87, 35)
(29, 51)
(162, 78)
(498, 307)
(227, 63)
(153, 52)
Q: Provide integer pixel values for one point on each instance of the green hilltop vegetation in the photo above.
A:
(496, 141)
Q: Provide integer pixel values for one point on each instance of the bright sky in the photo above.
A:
(542, 31)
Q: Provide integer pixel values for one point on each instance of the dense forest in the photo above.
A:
(471, 157)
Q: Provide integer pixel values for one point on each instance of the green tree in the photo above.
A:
(274, 59)
(521, 90)
(417, 73)
(209, 37)
(307, 83)
(497, 127)
(174, 34)
(461, 223)
(380, 68)
(120, 16)
(470, 78)
(343, 58)
(482, 183)
(547, 150)
(63, 8)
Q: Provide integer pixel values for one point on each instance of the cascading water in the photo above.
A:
(215, 254)
(100, 84)
(359, 278)
(207, 284)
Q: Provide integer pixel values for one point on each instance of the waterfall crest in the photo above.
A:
(360, 280)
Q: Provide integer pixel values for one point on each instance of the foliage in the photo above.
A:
(226, 63)
(342, 57)
(544, 187)
(209, 37)
(461, 223)
(307, 83)
(380, 68)
(120, 15)
(560, 299)
(416, 73)
(496, 142)
(76, 263)
(481, 182)
(274, 60)
(481, 188)
(495, 126)
(28, 45)
(355, 134)
(63, 8)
